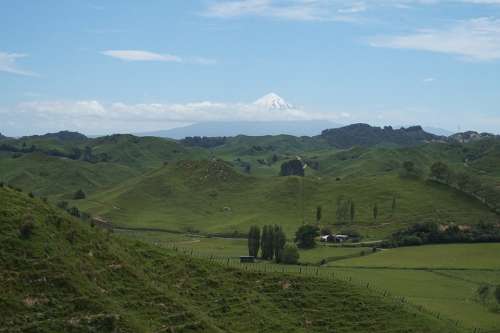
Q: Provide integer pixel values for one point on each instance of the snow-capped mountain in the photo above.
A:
(272, 102)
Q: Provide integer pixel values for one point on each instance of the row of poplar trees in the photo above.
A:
(270, 242)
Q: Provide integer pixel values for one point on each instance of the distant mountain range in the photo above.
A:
(251, 128)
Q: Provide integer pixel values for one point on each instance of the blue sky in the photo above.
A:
(132, 66)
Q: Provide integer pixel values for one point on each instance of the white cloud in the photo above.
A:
(475, 39)
(8, 64)
(295, 10)
(91, 116)
(316, 10)
(141, 55)
(429, 80)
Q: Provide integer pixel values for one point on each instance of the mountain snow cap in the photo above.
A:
(272, 101)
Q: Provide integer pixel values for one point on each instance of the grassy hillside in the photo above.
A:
(211, 197)
(58, 275)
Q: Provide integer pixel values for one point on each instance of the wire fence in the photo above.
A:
(330, 273)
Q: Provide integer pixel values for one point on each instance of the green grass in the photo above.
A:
(69, 277)
(467, 256)
(441, 278)
(211, 197)
(234, 248)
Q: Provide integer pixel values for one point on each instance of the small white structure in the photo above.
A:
(333, 238)
(340, 238)
(325, 238)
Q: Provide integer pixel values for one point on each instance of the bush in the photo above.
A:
(79, 195)
(62, 205)
(411, 240)
(74, 211)
(497, 294)
(290, 255)
(26, 228)
(305, 235)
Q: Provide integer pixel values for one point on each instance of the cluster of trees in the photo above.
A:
(272, 244)
(292, 168)
(433, 233)
(305, 236)
(468, 184)
(204, 142)
(346, 210)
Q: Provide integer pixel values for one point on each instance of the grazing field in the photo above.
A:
(233, 248)
(58, 274)
(467, 256)
(441, 278)
(211, 197)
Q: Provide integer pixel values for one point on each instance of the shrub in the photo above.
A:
(74, 211)
(497, 294)
(292, 168)
(79, 195)
(71, 236)
(62, 205)
(26, 228)
(305, 235)
(411, 240)
(290, 255)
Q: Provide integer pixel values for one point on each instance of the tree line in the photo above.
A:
(466, 183)
(272, 244)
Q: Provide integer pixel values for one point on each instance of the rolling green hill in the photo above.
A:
(212, 197)
(153, 182)
(60, 275)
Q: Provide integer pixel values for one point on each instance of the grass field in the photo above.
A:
(441, 278)
(233, 248)
(64, 276)
(466, 256)
(210, 197)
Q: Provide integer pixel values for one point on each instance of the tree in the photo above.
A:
(279, 241)
(409, 170)
(393, 206)
(319, 214)
(375, 212)
(292, 168)
(79, 195)
(305, 235)
(462, 179)
(352, 212)
(254, 241)
(344, 209)
(290, 255)
(27, 226)
(267, 242)
(441, 172)
(497, 294)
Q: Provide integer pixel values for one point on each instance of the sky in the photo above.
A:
(116, 66)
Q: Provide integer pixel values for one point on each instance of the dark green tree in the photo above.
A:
(305, 235)
(394, 203)
(292, 168)
(343, 212)
(352, 211)
(497, 294)
(279, 241)
(319, 214)
(254, 241)
(440, 172)
(375, 212)
(267, 242)
(290, 255)
(79, 195)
